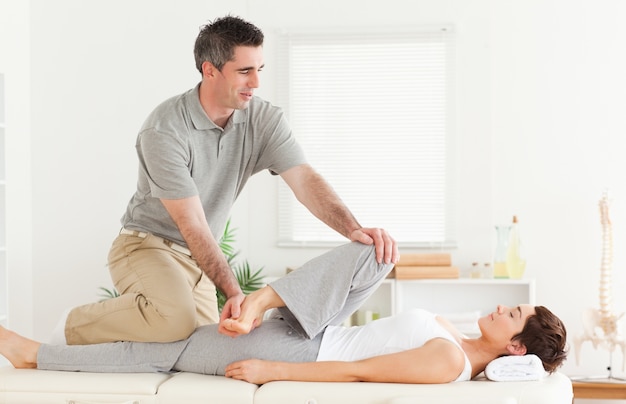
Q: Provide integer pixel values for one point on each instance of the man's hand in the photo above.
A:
(386, 247)
(253, 371)
(231, 310)
(250, 316)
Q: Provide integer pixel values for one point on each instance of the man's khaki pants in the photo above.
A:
(164, 296)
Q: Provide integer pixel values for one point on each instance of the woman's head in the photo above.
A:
(217, 40)
(544, 335)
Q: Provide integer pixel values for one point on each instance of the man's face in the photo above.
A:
(235, 83)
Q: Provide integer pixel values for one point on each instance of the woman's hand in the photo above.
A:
(255, 371)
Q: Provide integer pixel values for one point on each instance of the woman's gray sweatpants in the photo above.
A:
(324, 291)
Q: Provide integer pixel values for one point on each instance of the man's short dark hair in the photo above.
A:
(218, 39)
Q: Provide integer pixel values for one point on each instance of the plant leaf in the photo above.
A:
(248, 281)
(226, 242)
(107, 293)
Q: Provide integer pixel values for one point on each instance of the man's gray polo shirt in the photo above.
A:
(182, 153)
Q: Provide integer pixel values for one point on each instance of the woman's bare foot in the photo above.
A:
(20, 351)
(253, 308)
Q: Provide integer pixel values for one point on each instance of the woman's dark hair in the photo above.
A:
(217, 40)
(544, 335)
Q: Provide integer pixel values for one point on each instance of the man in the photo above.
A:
(196, 151)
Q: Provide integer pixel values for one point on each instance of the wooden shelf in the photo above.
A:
(600, 389)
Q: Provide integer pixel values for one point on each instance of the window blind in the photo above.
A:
(374, 114)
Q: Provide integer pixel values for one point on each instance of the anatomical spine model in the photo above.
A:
(601, 327)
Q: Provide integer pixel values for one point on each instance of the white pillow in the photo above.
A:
(515, 368)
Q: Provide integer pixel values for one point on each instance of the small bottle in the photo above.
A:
(515, 262)
(487, 270)
(500, 267)
(474, 271)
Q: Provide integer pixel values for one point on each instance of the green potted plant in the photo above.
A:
(249, 280)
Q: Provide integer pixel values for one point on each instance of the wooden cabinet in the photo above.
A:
(605, 389)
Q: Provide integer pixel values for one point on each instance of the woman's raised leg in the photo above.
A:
(329, 288)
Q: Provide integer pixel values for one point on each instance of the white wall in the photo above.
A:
(16, 66)
(556, 132)
(540, 107)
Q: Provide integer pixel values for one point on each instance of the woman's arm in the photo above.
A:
(438, 361)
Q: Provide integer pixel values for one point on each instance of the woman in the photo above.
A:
(302, 339)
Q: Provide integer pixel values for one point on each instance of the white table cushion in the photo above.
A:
(30, 386)
(48, 387)
(192, 388)
(555, 389)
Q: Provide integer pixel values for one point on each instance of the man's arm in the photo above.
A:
(438, 361)
(312, 190)
(189, 216)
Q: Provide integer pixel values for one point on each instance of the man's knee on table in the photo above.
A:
(172, 324)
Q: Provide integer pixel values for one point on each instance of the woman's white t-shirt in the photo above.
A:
(404, 331)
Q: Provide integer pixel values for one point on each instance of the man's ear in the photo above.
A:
(208, 69)
(515, 348)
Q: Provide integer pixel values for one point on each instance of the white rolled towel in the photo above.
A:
(515, 368)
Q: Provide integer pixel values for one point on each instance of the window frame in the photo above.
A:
(287, 202)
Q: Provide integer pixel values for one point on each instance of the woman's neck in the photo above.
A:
(479, 354)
